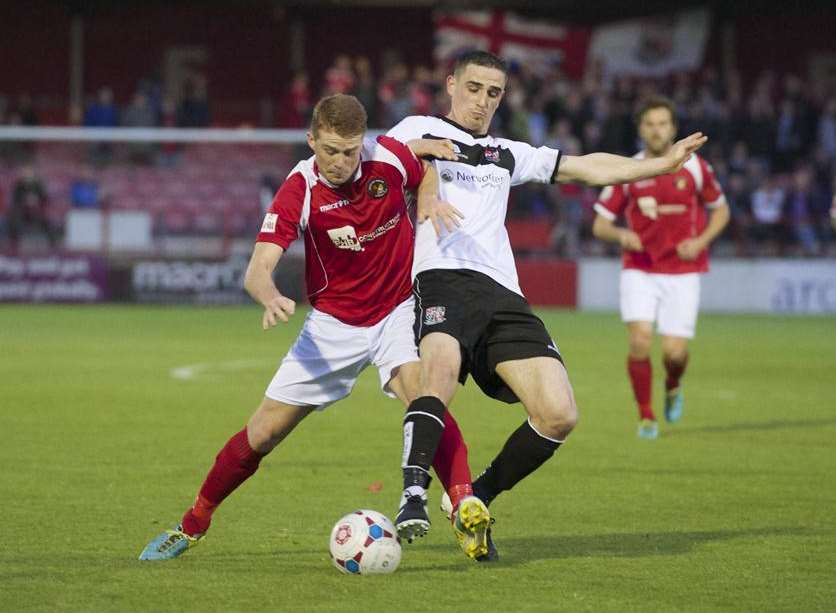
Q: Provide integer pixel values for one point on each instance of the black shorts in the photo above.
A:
(491, 323)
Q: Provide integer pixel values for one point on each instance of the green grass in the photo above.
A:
(100, 448)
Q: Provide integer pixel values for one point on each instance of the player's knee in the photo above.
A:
(261, 432)
(559, 416)
(675, 353)
(640, 342)
(268, 427)
(439, 376)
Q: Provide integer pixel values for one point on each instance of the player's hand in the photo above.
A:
(689, 249)
(630, 241)
(440, 213)
(681, 150)
(433, 147)
(278, 309)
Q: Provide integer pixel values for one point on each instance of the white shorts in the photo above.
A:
(323, 364)
(672, 301)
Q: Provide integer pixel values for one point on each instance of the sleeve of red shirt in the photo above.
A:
(282, 222)
(413, 166)
(711, 193)
(611, 202)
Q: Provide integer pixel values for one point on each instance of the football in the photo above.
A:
(365, 543)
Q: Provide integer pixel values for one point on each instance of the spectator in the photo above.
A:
(339, 78)
(758, 129)
(296, 104)
(806, 211)
(566, 235)
(538, 123)
(103, 112)
(768, 215)
(789, 136)
(518, 119)
(833, 208)
(422, 91)
(85, 192)
(26, 110)
(15, 152)
(29, 203)
(140, 115)
(169, 154)
(739, 158)
(267, 191)
(740, 208)
(827, 129)
(365, 88)
(193, 111)
(394, 94)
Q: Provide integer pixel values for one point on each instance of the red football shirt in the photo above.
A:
(664, 211)
(358, 236)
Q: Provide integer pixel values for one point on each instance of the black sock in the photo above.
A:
(422, 428)
(524, 452)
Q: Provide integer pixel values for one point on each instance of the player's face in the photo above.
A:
(337, 157)
(476, 92)
(657, 130)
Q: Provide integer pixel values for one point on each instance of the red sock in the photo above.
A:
(450, 462)
(641, 374)
(234, 464)
(675, 370)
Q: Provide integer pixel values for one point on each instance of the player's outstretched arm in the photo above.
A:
(259, 284)
(608, 169)
(431, 207)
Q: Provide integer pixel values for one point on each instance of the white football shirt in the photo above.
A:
(478, 185)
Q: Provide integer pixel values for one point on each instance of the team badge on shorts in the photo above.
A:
(434, 315)
(378, 188)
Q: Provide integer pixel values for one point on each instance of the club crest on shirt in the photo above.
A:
(434, 315)
(446, 175)
(377, 188)
(492, 154)
(681, 183)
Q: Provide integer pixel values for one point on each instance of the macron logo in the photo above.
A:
(334, 205)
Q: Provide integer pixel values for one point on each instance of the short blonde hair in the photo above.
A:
(340, 113)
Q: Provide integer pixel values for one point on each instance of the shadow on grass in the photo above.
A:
(752, 427)
(516, 550)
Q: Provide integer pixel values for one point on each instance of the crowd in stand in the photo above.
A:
(772, 140)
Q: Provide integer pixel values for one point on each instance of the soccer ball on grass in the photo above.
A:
(365, 543)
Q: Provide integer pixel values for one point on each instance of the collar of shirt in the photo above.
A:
(457, 125)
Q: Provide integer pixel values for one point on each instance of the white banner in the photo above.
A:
(798, 287)
(651, 46)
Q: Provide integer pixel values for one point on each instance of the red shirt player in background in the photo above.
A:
(671, 221)
(348, 202)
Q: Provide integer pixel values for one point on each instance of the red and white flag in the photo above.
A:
(537, 44)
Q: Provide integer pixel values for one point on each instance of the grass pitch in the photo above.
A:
(111, 416)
